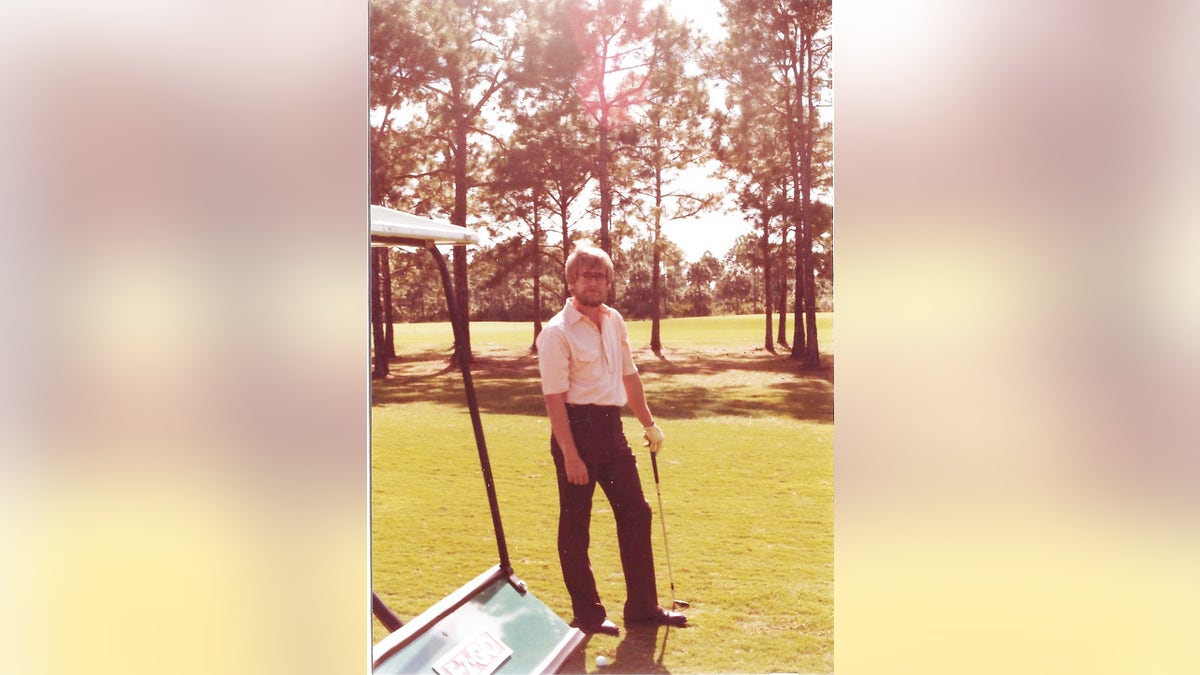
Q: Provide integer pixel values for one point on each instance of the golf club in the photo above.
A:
(670, 576)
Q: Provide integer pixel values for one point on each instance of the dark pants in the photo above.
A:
(610, 462)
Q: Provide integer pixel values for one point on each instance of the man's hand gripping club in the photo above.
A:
(654, 438)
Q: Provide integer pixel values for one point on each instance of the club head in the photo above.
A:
(680, 604)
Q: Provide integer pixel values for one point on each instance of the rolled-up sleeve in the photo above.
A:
(554, 360)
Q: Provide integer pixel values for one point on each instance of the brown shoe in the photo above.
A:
(661, 617)
(603, 626)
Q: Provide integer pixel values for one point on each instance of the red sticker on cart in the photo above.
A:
(481, 655)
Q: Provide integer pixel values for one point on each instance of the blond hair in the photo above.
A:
(587, 254)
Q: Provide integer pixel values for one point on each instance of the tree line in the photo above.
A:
(541, 122)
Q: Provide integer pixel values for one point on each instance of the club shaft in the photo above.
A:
(662, 521)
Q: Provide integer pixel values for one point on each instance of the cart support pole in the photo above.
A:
(458, 322)
(385, 615)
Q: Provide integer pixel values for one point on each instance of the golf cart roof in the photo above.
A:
(390, 227)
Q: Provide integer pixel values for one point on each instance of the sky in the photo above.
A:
(704, 13)
(717, 231)
(711, 232)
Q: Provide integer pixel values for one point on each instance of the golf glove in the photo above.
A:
(654, 437)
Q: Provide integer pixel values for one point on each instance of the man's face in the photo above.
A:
(590, 287)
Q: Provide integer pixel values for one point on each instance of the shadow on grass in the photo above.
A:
(692, 384)
(683, 384)
(635, 654)
(504, 384)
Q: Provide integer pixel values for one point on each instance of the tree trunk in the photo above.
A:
(537, 278)
(765, 245)
(812, 353)
(781, 339)
(798, 336)
(380, 366)
(566, 251)
(795, 143)
(799, 333)
(605, 189)
(389, 336)
(606, 198)
(656, 264)
(460, 218)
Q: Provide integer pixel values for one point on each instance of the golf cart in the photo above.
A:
(491, 624)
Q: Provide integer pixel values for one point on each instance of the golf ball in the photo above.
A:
(601, 661)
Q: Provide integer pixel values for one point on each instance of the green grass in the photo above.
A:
(747, 482)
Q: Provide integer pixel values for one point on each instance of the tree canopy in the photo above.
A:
(540, 123)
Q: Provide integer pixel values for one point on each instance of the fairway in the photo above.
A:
(746, 477)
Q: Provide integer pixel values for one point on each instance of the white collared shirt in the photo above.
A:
(585, 361)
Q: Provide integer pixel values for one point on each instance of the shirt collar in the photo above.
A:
(573, 315)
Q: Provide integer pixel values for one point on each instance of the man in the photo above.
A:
(588, 374)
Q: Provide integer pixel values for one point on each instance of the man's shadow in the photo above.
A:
(636, 653)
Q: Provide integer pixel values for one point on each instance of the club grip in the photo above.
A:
(654, 464)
